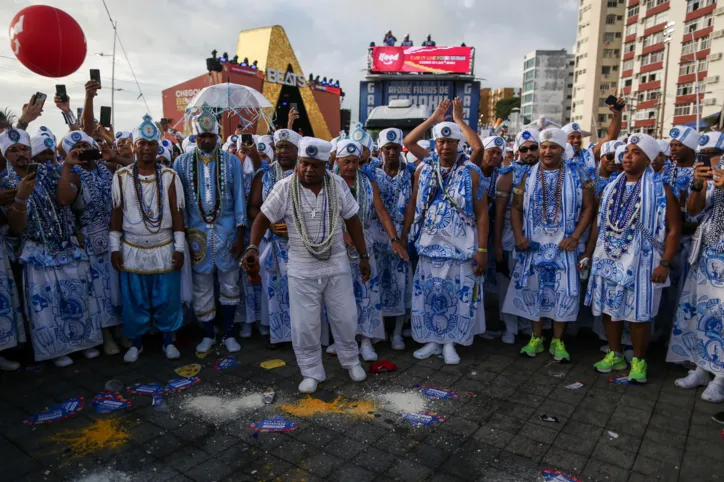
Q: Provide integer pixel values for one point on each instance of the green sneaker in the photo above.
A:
(558, 350)
(611, 362)
(638, 371)
(534, 346)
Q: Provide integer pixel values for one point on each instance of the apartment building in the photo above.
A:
(483, 107)
(670, 47)
(547, 86)
(597, 62)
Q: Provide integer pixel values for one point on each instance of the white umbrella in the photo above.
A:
(230, 97)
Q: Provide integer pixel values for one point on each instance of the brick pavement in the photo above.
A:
(664, 433)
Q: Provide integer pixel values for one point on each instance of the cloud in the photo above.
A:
(167, 42)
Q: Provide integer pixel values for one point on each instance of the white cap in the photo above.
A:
(554, 135)
(44, 131)
(494, 142)
(163, 151)
(347, 148)
(647, 144)
(10, 137)
(74, 137)
(313, 148)
(205, 122)
(618, 155)
(665, 147)
(572, 127)
(40, 144)
(287, 135)
(147, 130)
(189, 144)
(686, 135)
(524, 136)
(610, 147)
(121, 135)
(447, 130)
(390, 136)
(712, 140)
(264, 146)
(231, 140)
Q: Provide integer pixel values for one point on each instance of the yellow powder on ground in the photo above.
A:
(343, 406)
(99, 435)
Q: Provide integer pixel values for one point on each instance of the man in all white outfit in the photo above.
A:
(313, 202)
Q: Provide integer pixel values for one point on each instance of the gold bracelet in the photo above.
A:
(482, 250)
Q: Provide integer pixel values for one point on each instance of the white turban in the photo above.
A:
(44, 131)
(205, 122)
(524, 136)
(686, 135)
(572, 127)
(74, 137)
(712, 140)
(232, 140)
(665, 147)
(347, 148)
(10, 137)
(189, 144)
(610, 147)
(313, 148)
(494, 142)
(288, 136)
(264, 146)
(164, 151)
(40, 144)
(390, 136)
(147, 130)
(121, 135)
(554, 135)
(647, 144)
(620, 152)
(447, 130)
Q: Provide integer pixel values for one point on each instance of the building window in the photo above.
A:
(697, 4)
(654, 3)
(605, 70)
(652, 58)
(612, 3)
(618, 34)
(628, 83)
(688, 67)
(698, 23)
(529, 75)
(658, 19)
(608, 37)
(529, 64)
(689, 47)
(633, 11)
(629, 47)
(631, 29)
(686, 89)
(610, 19)
(653, 39)
(627, 64)
(682, 109)
(527, 98)
(528, 86)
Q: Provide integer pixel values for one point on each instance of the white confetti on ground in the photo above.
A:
(220, 409)
(411, 401)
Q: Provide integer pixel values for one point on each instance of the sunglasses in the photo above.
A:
(15, 150)
(532, 148)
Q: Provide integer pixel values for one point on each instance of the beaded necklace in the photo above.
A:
(621, 217)
(551, 226)
(321, 250)
(209, 217)
(360, 193)
(151, 223)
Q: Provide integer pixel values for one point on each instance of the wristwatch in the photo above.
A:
(364, 256)
(393, 240)
(665, 264)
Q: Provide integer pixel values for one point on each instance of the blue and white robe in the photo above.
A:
(12, 327)
(447, 296)
(621, 287)
(545, 282)
(395, 274)
(93, 211)
(367, 295)
(60, 305)
(698, 331)
(273, 258)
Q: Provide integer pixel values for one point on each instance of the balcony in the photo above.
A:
(645, 123)
(627, 90)
(653, 48)
(688, 99)
(624, 125)
(700, 13)
(630, 38)
(655, 29)
(633, 3)
(700, 55)
(647, 104)
(629, 55)
(684, 119)
(633, 19)
(661, 8)
(626, 73)
(688, 78)
(651, 67)
(702, 32)
(656, 84)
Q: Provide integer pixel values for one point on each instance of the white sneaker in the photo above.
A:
(263, 329)
(367, 351)
(308, 385)
(232, 346)
(714, 391)
(450, 355)
(172, 352)
(205, 345)
(427, 351)
(91, 353)
(357, 373)
(109, 344)
(131, 355)
(398, 343)
(8, 365)
(246, 330)
(508, 338)
(63, 361)
(695, 378)
(332, 349)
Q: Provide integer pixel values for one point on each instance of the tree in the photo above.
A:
(504, 107)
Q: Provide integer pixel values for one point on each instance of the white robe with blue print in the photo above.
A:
(447, 296)
(698, 331)
(12, 328)
(622, 287)
(545, 282)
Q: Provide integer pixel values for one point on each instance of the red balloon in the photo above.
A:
(48, 41)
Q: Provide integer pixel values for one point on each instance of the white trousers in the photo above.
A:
(204, 302)
(306, 298)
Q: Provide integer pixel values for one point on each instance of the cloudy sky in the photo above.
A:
(167, 41)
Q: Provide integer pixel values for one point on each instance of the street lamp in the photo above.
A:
(668, 34)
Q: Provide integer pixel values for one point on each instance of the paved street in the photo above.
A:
(492, 432)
